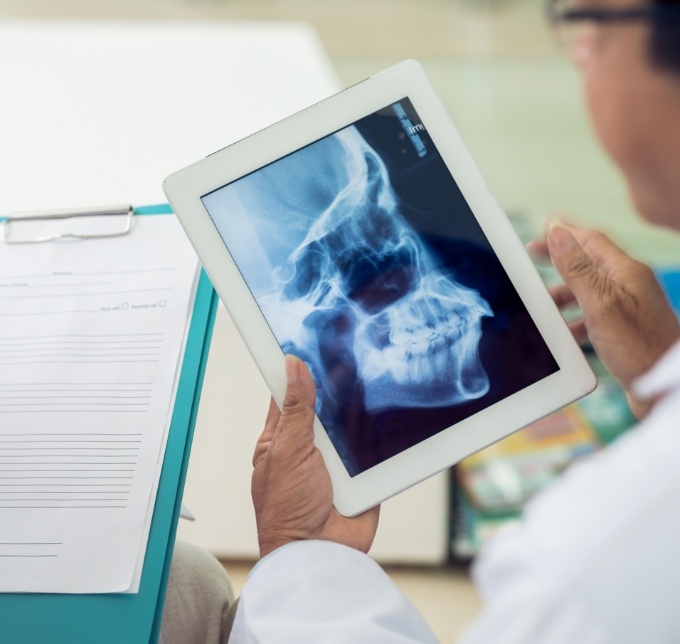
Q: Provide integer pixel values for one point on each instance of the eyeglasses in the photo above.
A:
(572, 22)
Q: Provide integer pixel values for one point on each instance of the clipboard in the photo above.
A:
(117, 618)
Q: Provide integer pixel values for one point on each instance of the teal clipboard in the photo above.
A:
(31, 618)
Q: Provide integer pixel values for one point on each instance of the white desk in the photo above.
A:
(100, 113)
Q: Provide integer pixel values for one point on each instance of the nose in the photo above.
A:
(376, 282)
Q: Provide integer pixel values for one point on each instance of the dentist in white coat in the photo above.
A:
(596, 558)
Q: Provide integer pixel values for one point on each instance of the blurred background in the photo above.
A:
(516, 100)
(509, 87)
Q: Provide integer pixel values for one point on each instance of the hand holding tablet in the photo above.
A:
(360, 236)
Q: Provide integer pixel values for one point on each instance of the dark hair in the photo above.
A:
(665, 40)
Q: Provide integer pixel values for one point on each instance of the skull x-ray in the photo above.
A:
(368, 264)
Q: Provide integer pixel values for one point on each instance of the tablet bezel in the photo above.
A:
(574, 379)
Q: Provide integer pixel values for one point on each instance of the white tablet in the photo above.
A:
(360, 236)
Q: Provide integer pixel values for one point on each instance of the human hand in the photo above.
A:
(291, 487)
(626, 316)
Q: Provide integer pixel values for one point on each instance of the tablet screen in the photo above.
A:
(368, 264)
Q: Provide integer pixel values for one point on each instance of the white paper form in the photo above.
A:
(90, 343)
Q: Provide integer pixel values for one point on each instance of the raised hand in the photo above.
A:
(291, 488)
(626, 316)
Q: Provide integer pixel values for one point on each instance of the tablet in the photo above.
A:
(360, 236)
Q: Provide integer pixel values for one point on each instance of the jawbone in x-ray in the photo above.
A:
(368, 264)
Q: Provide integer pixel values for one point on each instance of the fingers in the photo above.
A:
(273, 416)
(604, 253)
(579, 331)
(367, 523)
(370, 518)
(576, 267)
(538, 248)
(300, 381)
(291, 487)
(265, 438)
(562, 295)
(297, 412)
(292, 441)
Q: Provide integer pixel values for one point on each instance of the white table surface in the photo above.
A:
(100, 113)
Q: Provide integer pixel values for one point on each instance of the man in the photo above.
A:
(597, 557)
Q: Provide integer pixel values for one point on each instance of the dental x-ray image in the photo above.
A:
(369, 265)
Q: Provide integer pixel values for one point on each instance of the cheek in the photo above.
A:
(614, 119)
(621, 100)
(607, 106)
(624, 113)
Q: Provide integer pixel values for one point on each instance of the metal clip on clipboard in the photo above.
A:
(12, 221)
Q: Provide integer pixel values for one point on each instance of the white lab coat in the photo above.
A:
(595, 560)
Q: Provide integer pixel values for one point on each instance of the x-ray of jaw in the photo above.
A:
(345, 282)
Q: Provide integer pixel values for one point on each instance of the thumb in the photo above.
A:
(297, 411)
(575, 266)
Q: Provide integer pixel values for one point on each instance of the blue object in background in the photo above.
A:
(670, 282)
